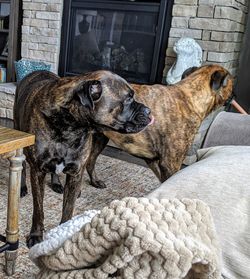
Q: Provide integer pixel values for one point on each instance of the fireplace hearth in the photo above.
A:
(126, 37)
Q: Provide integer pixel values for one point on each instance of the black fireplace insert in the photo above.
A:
(126, 37)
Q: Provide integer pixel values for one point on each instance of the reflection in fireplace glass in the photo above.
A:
(115, 40)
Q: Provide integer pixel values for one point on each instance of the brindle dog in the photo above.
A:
(62, 113)
(178, 111)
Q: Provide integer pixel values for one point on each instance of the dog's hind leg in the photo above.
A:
(24, 189)
(37, 186)
(72, 190)
(56, 184)
(98, 144)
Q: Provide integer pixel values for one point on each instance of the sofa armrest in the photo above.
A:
(228, 128)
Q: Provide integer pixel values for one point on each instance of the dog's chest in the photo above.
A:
(66, 156)
(59, 168)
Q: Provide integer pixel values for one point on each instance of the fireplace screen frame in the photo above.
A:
(164, 9)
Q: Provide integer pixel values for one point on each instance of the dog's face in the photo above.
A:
(107, 101)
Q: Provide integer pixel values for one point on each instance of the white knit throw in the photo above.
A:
(55, 238)
(135, 238)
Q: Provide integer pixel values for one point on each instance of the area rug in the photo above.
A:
(122, 179)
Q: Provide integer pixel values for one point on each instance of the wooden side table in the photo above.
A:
(12, 143)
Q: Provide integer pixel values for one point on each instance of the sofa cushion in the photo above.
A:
(221, 178)
(228, 128)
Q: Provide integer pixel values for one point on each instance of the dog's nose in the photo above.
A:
(147, 110)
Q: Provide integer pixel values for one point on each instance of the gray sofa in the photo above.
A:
(221, 178)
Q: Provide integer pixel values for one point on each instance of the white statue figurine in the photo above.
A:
(189, 54)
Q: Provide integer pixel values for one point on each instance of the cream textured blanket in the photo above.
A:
(139, 238)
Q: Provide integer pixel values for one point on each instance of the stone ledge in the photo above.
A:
(9, 88)
(7, 97)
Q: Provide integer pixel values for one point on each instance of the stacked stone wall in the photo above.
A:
(217, 25)
(41, 31)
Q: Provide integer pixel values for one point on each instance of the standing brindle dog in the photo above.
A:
(178, 111)
(62, 113)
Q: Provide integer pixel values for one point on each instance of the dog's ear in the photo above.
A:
(188, 71)
(219, 79)
(89, 93)
(95, 90)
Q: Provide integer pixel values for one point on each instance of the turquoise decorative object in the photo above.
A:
(25, 67)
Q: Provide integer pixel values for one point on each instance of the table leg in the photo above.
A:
(12, 231)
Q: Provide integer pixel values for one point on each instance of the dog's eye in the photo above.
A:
(96, 96)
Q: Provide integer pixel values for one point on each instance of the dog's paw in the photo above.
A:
(24, 191)
(56, 187)
(98, 184)
(33, 239)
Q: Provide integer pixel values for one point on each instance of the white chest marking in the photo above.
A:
(59, 168)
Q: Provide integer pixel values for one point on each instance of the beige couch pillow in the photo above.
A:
(221, 178)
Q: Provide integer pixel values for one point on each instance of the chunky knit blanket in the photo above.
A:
(136, 238)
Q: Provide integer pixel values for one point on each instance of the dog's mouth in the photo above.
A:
(139, 123)
(130, 127)
(151, 121)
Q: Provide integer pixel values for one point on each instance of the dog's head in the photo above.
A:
(213, 79)
(107, 102)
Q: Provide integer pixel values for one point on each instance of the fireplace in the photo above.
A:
(126, 37)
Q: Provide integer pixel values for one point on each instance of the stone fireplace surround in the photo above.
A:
(217, 25)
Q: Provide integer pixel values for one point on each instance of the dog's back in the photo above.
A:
(25, 90)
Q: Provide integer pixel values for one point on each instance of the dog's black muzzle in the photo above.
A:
(136, 118)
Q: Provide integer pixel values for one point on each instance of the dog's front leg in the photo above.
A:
(72, 190)
(56, 184)
(37, 186)
(154, 166)
(168, 165)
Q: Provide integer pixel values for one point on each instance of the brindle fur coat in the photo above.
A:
(178, 111)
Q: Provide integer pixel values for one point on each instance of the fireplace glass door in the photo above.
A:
(120, 36)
